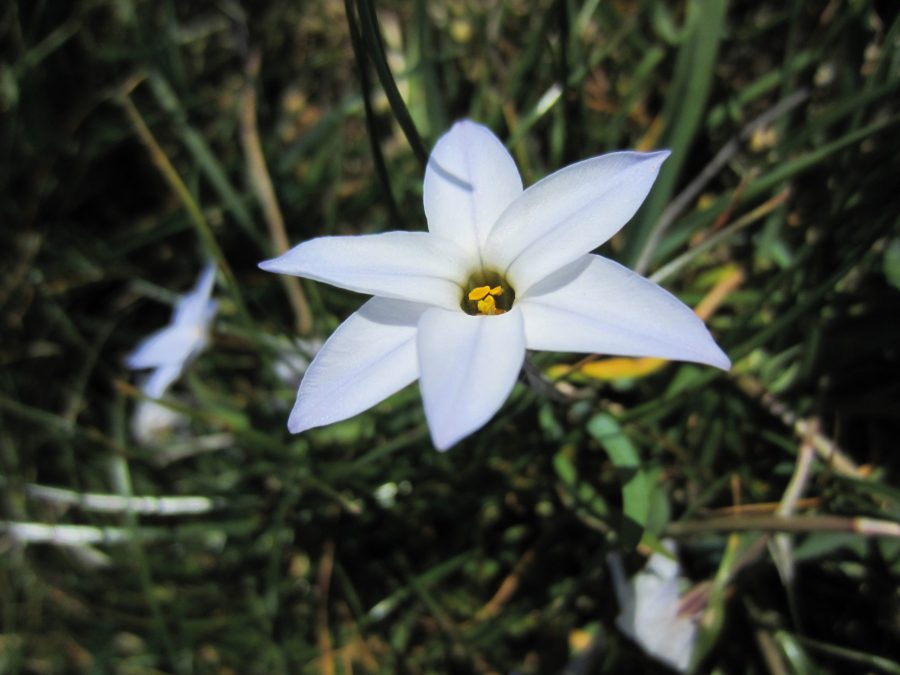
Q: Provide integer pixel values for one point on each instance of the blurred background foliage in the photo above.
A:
(127, 136)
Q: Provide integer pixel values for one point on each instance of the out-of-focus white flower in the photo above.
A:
(653, 612)
(152, 422)
(500, 270)
(168, 351)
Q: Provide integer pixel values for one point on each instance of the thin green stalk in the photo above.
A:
(169, 173)
(683, 113)
(381, 171)
(122, 484)
(371, 35)
(203, 155)
(862, 658)
(727, 152)
(768, 181)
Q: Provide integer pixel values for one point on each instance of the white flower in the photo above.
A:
(499, 271)
(153, 422)
(653, 611)
(168, 351)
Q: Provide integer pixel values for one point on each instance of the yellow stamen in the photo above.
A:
(483, 300)
(488, 305)
(478, 293)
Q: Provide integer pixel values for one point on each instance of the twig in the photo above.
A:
(326, 565)
(770, 652)
(265, 193)
(827, 449)
(507, 588)
(763, 209)
(869, 527)
(723, 217)
(781, 545)
(802, 472)
(758, 508)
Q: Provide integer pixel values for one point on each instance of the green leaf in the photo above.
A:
(684, 111)
(565, 470)
(636, 487)
(581, 496)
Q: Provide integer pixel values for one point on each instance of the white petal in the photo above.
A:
(470, 179)
(569, 213)
(369, 357)
(187, 333)
(415, 266)
(467, 367)
(596, 306)
(196, 307)
(171, 345)
(153, 422)
(158, 382)
(656, 624)
(650, 605)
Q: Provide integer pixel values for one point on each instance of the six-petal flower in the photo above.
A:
(500, 270)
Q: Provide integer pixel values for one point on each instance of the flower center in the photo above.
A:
(488, 295)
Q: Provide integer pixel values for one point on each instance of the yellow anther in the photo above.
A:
(480, 292)
(483, 300)
(488, 305)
